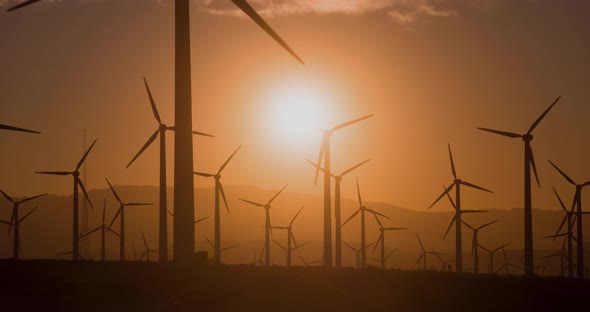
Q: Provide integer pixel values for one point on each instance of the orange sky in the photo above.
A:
(430, 70)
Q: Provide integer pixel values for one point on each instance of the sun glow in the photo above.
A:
(299, 112)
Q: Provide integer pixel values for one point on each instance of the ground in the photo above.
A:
(51, 285)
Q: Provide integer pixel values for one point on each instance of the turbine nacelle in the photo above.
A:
(527, 137)
(163, 127)
(76, 173)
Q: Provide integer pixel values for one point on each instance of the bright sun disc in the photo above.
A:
(299, 112)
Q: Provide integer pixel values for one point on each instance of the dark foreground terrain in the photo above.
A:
(94, 286)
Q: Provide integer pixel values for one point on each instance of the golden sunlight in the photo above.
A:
(298, 111)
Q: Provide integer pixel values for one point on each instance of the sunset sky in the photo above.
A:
(430, 71)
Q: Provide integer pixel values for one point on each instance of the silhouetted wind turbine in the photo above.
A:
(362, 208)
(381, 240)
(529, 161)
(337, 211)
(161, 131)
(148, 250)
(15, 220)
(423, 254)
(289, 249)
(184, 231)
(357, 253)
(561, 256)
(475, 245)
(579, 213)
(103, 229)
(569, 218)
(491, 254)
(121, 212)
(325, 157)
(290, 238)
(218, 191)
(507, 264)
(267, 226)
(11, 128)
(458, 212)
(444, 263)
(77, 183)
(222, 249)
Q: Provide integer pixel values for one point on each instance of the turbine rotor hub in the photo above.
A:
(217, 176)
(267, 207)
(458, 181)
(163, 127)
(76, 173)
(527, 137)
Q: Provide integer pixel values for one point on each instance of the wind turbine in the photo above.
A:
(529, 161)
(423, 254)
(357, 253)
(475, 245)
(77, 183)
(161, 131)
(267, 226)
(184, 232)
(121, 212)
(458, 212)
(381, 240)
(218, 191)
(444, 263)
(325, 157)
(289, 249)
(491, 254)
(148, 250)
(507, 264)
(337, 214)
(103, 229)
(11, 128)
(222, 249)
(561, 256)
(15, 220)
(579, 213)
(362, 208)
(290, 238)
(569, 218)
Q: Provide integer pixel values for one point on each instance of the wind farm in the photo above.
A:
(374, 89)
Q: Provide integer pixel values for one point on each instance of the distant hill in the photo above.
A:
(48, 230)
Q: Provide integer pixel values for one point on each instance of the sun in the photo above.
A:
(298, 112)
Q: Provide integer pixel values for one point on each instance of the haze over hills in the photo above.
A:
(48, 231)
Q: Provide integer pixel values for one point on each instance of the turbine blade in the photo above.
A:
(390, 254)
(560, 227)
(378, 221)
(347, 171)
(447, 190)
(60, 173)
(230, 247)
(139, 204)
(251, 202)
(377, 213)
(246, 8)
(152, 102)
(504, 133)
(203, 134)
(170, 213)
(277, 243)
(475, 186)
(223, 196)
(113, 190)
(104, 209)
(295, 217)
(452, 163)
(21, 5)
(30, 198)
(473, 211)
(536, 123)
(113, 231)
(482, 247)
(449, 228)
(7, 197)
(28, 214)
(90, 232)
(202, 219)
(358, 192)
(351, 217)
(420, 241)
(487, 224)
(84, 191)
(115, 217)
(345, 243)
(202, 174)
(12, 219)
(228, 160)
(467, 224)
(560, 201)
(85, 155)
(210, 243)
(532, 158)
(144, 147)
(277, 194)
(348, 123)
(144, 240)
(562, 173)
(377, 242)
(11, 128)
(395, 228)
